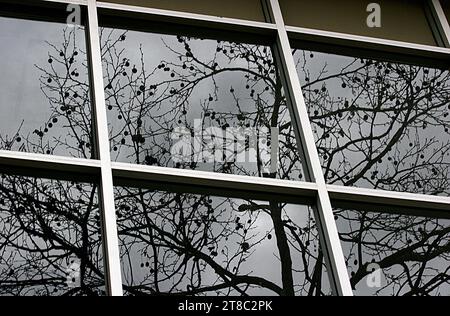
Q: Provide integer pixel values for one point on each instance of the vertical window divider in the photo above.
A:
(441, 22)
(337, 267)
(106, 192)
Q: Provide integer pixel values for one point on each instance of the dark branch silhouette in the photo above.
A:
(384, 125)
(191, 244)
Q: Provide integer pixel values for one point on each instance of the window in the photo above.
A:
(394, 254)
(199, 244)
(44, 88)
(50, 237)
(184, 147)
(194, 103)
(378, 124)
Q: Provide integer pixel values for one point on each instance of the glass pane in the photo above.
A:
(44, 89)
(400, 20)
(50, 239)
(390, 254)
(200, 104)
(379, 124)
(248, 9)
(193, 244)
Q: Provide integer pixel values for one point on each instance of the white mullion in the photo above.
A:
(214, 180)
(339, 278)
(110, 234)
(391, 198)
(41, 161)
(194, 17)
(441, 21)
(373, 43)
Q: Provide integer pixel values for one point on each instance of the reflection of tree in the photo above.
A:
(147, 105)
(379, 124)
(412, 251)
(195, 244)
(45, 228)
(384, 125)
(192, 244)
(50, 230)
(68, 128)
(199, 245)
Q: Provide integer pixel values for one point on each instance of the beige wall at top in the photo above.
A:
(239, 9)
(402, 20)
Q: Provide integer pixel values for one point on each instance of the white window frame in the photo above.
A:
(104, 170)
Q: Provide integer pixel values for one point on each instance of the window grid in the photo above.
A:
(110, 235)
(104, 169)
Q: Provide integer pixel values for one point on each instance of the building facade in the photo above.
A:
(258, 147)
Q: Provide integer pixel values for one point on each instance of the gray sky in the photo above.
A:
(24, 45)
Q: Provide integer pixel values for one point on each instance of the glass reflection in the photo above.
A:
(379, 124)
(179, 243)
(44, 90)
(184, 102)
(50, 241)
(391, 254)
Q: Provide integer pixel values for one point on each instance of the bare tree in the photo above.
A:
(196, 244)
(191, 244)
(191, 254)
(378, 124)
(48, 227)
(384, 125)
(50, 241)
(413, 252)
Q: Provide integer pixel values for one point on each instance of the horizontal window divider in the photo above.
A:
(294, 189)
(46, 165)
(193, 19)
(410, 202)
(358, 42)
